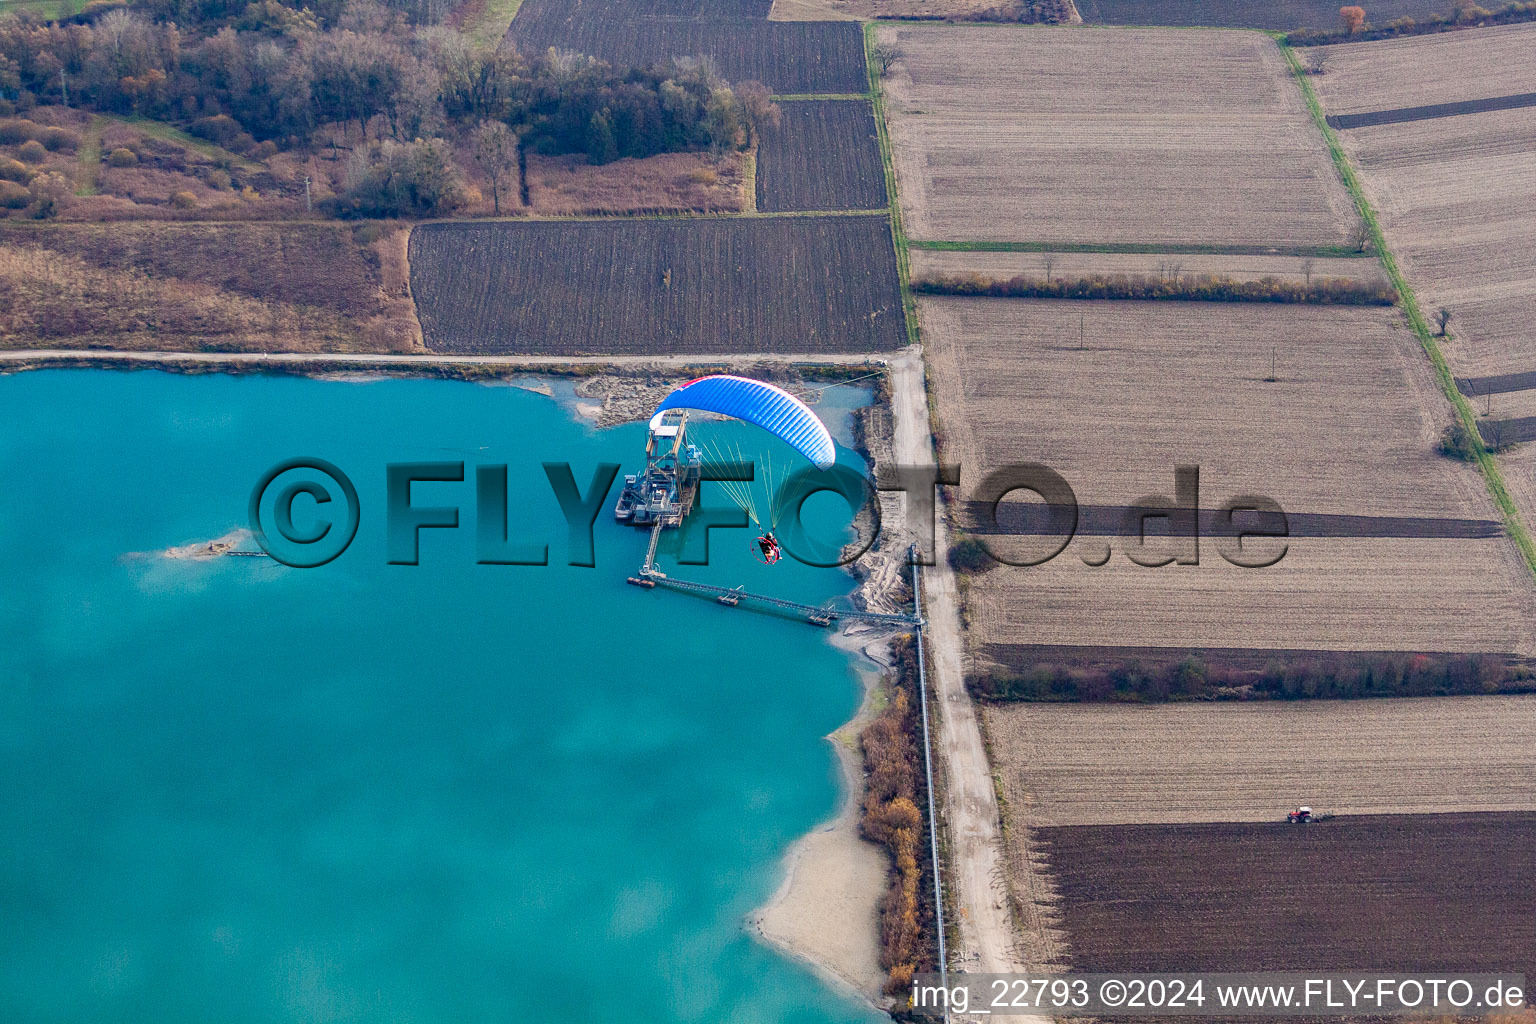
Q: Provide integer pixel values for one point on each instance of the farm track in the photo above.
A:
(778, 284)
(823, 156)
(1427, 893)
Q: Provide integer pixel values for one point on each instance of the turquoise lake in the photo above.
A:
(238, 792)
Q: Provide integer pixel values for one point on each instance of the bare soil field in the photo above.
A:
(1457, 198)
(1177, 137)
(1044, 12)
(554, 13)
(929, 262)
(1277, 15)
(772, 284)
(1114, 395)
(1422, 893)
(1432, 110)
(787, 57)
(666, 183)
(1446, 67)
(301, 287)
(824, 155)
(1118, 764)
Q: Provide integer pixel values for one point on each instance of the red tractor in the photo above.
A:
(1300, 816)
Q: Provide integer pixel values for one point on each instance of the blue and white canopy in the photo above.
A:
(763, 405)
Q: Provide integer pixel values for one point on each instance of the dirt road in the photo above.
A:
(975, 889)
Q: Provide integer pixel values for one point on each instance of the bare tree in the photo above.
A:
(1360, 237)
(495, 155)
(1048, 260)
(757, 103)
(1317, 61)
(885, 56)
(1442, 318)
(1306, 270)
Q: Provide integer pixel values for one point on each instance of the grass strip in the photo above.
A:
(898, 236)
(170, 133)
(1141, 248)
(1485, 460)
(494, 21)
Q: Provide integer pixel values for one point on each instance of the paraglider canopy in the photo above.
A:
(763, 405)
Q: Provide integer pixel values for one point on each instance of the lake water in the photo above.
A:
(234, 791)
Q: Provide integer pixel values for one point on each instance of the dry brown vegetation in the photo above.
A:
(1114, 395)
(295, 287)
(893, 788)
(1420, 70)
(668, 183)
(1118, 764)
(1175, 137)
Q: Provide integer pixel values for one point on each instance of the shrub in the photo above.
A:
(16, 129)
(57, 139)
(220, 128)
(184, 201)
(1466, 14)
(393, 179)
(266, 149)
(32, 152)
(1456, 443)
(51, 192)
(969, 555)
(123, 157)
(7, 108)
(704, 176)
(14, 196)
(217, 177)
(14, 170)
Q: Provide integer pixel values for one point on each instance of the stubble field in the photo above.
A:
(1069, 265)
(1114, 395)
(1119, 764)
(686, 285)
(1175, 137)
(824, 155)
(1468, 247)
(1443, 892)
(1447, 67)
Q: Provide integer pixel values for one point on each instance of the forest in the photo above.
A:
(262, 77)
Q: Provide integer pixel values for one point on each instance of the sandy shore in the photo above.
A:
(826, 911)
